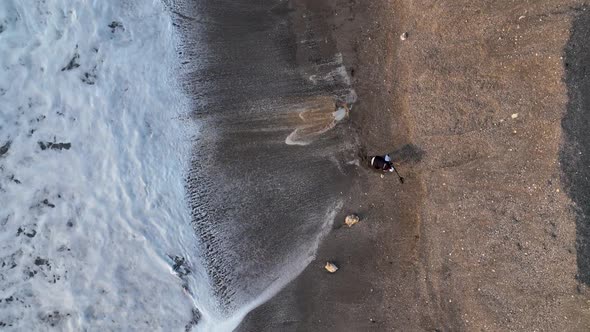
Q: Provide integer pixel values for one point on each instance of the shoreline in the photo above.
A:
(258, 204)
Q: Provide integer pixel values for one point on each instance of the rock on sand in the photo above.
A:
(351, 220)
(331, 267)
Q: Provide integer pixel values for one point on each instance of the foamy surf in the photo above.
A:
(95, 231)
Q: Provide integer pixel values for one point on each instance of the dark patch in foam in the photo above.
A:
(14, 179)
(9, 262)
(180, 266)
(4, 148)
(73, 62)
(47, 203)
(42, 261)
(575, 151)
(28, 233)
(54, 146)
(53, 318)
(181, 269)
(116, 26)
(195, 318)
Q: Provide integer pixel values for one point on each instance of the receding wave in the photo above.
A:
(270, 163)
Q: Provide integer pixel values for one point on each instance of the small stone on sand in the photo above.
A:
(404, 36)
(515, 115)
(351, 220)
(330, 267)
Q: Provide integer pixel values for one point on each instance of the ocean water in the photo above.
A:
(95, 233)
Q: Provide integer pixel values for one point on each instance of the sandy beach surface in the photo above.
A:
(485, 108)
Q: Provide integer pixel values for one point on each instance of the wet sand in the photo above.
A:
(271, 160)
(485, 109)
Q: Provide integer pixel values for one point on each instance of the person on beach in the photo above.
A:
(384, 164)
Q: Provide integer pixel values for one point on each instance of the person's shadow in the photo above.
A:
(407, 154)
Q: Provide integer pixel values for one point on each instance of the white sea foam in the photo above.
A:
(91, 174)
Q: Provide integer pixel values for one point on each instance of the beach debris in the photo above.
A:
(90, 77)
(404, 36)
(351, 220)
(331, 267)
(515, 115)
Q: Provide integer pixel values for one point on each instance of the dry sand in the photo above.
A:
(482, 236)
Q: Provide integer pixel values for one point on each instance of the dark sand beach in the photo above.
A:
(485, 108)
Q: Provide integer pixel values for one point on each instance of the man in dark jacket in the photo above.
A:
(382, 163)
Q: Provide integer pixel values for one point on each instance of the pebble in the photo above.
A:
(404, 36)
(515, 115)
(351, 220)
(331, 267)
